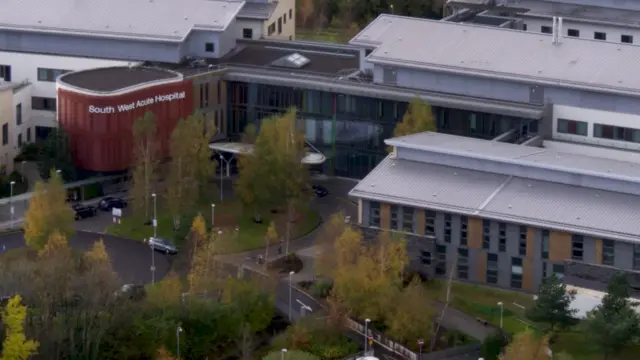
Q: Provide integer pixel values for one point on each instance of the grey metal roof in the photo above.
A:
(163, 20)
(540, 204)
(579, 12)
(257, 10)
(500, 53)
(518, 154)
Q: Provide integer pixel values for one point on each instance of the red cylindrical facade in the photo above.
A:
(100, 128)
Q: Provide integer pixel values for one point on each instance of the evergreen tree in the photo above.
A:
(553, 305)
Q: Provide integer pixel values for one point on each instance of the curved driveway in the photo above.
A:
(130, 259)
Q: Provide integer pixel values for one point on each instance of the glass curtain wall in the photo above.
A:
(349, 130)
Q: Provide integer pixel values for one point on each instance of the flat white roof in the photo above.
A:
(310, 158)
(161, 20)
(587, 300)
(500, 53)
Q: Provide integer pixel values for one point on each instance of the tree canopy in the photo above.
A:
(48, 212)
(145, 162)
(55, 154)
(553, 304)
(15, 345)
(418, 118)
(527, 346)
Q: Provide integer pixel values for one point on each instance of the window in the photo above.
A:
(627, 39)
(608, 252)
(19, 140)
(522, 244)
(50, 74)
(28, 135)
(573, 32)
(395, 224)
(441, 259)
(577, 247)
(486, 234)
(516, 273)
(407, 219)
(492, 268)
(42, 103)
(290, 13)
(616, 133)
(5, 72)
(208, 47)
(572, 127)
(636, 257)
(374, 214)
(524, 27)
(247, 33)
(545, 244)
(600, 35)
(464, 226)
(367, 52)
(544, 270)
(271, 29)
(463, 263)
(558, 270)
(425, 257)
(546, 29)
(279, 26)
(447, 228)
(429, 222)
(19, 114)
(204, 95)
(502, 237)
(284, 18)
(5, 134)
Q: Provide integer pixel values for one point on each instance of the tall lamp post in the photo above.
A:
(221, 176)
(284, 351)
(178, 331)
(153, 262)
(290, 288)
(420, 343)
(11, 209)
(155, 219)
(213, 214)
(366, 335)
(501, 312)
(22, 168)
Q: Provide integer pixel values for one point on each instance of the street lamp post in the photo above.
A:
(420, 343)
(213, 214)
(178, 331)
(221, 176)
(290, 288)
(153, 263)
(155, 219)
(284, 351)
(501, 312)
(366, 334)
(11, 210)
(22, 168)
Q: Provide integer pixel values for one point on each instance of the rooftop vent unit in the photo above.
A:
(293, 61)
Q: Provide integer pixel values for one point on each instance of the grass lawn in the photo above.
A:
(482, 301)
(324, 35)
(576, 344)
(228, 215)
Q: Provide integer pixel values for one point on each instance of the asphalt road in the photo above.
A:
(130, 259)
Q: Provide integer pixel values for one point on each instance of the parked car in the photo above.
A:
(133, 292)
(163, 245)
(320, 191)
(110, 202)
(83, 211)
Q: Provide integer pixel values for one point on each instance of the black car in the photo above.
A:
(320, 191)
(108, 203)
(83, 211)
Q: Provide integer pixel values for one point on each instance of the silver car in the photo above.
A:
(163, 245)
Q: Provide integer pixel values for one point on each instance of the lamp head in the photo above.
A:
(12, 183)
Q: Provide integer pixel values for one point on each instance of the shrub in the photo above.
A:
(322, 288)
(291, 355)
(493, 346)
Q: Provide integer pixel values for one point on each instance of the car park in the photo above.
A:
(109, 203)
(82, 211)
(163, 245)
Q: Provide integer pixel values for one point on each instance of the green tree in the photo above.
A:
(613, 324)
(55, 154)
(15, 345)
(553, 304)
(191, 168)
(48, 212)
(269, 238)
(145, 161)
(417, 118)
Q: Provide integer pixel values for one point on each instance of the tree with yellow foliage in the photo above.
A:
(98, 254)
(527, 346)
(56, 245)
(166, 293)
(145, 163)
(412, 319)
(15, 345)
(48, 212)
(325, 263)
(199, 256)
(417, 118)
(269, 238)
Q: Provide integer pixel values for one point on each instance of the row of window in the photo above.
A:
(281, 20)
(597, 35)
(601, 131)
(44, 74)
(5, 135)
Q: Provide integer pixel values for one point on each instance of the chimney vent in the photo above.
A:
(559, 33)
(554, 30)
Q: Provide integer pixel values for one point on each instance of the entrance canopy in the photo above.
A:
(311, 158)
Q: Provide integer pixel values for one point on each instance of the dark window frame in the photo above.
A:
(492, 272)
(19, 114)
(577, 247)
(50, 75)
(463, 263)
(545, 29)
(5, 72)
(448, 220)
(544, 248)
(209, 47)
(486, 234)
(394, 217)
(573, 127)
(573, 33)
(464, 230)
(247, 33)
(502, 237)
(608, 252)
(522, 242)
(599, 35)
(626, 39)
(43, 103)
(290, 14)
(374, 214)
(407, 219)
(429, 222)
(516, 279)
(5, 134)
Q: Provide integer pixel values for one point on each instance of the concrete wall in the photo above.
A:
(281, 13)
(535, 266)
(89, 47)
(255, 25)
